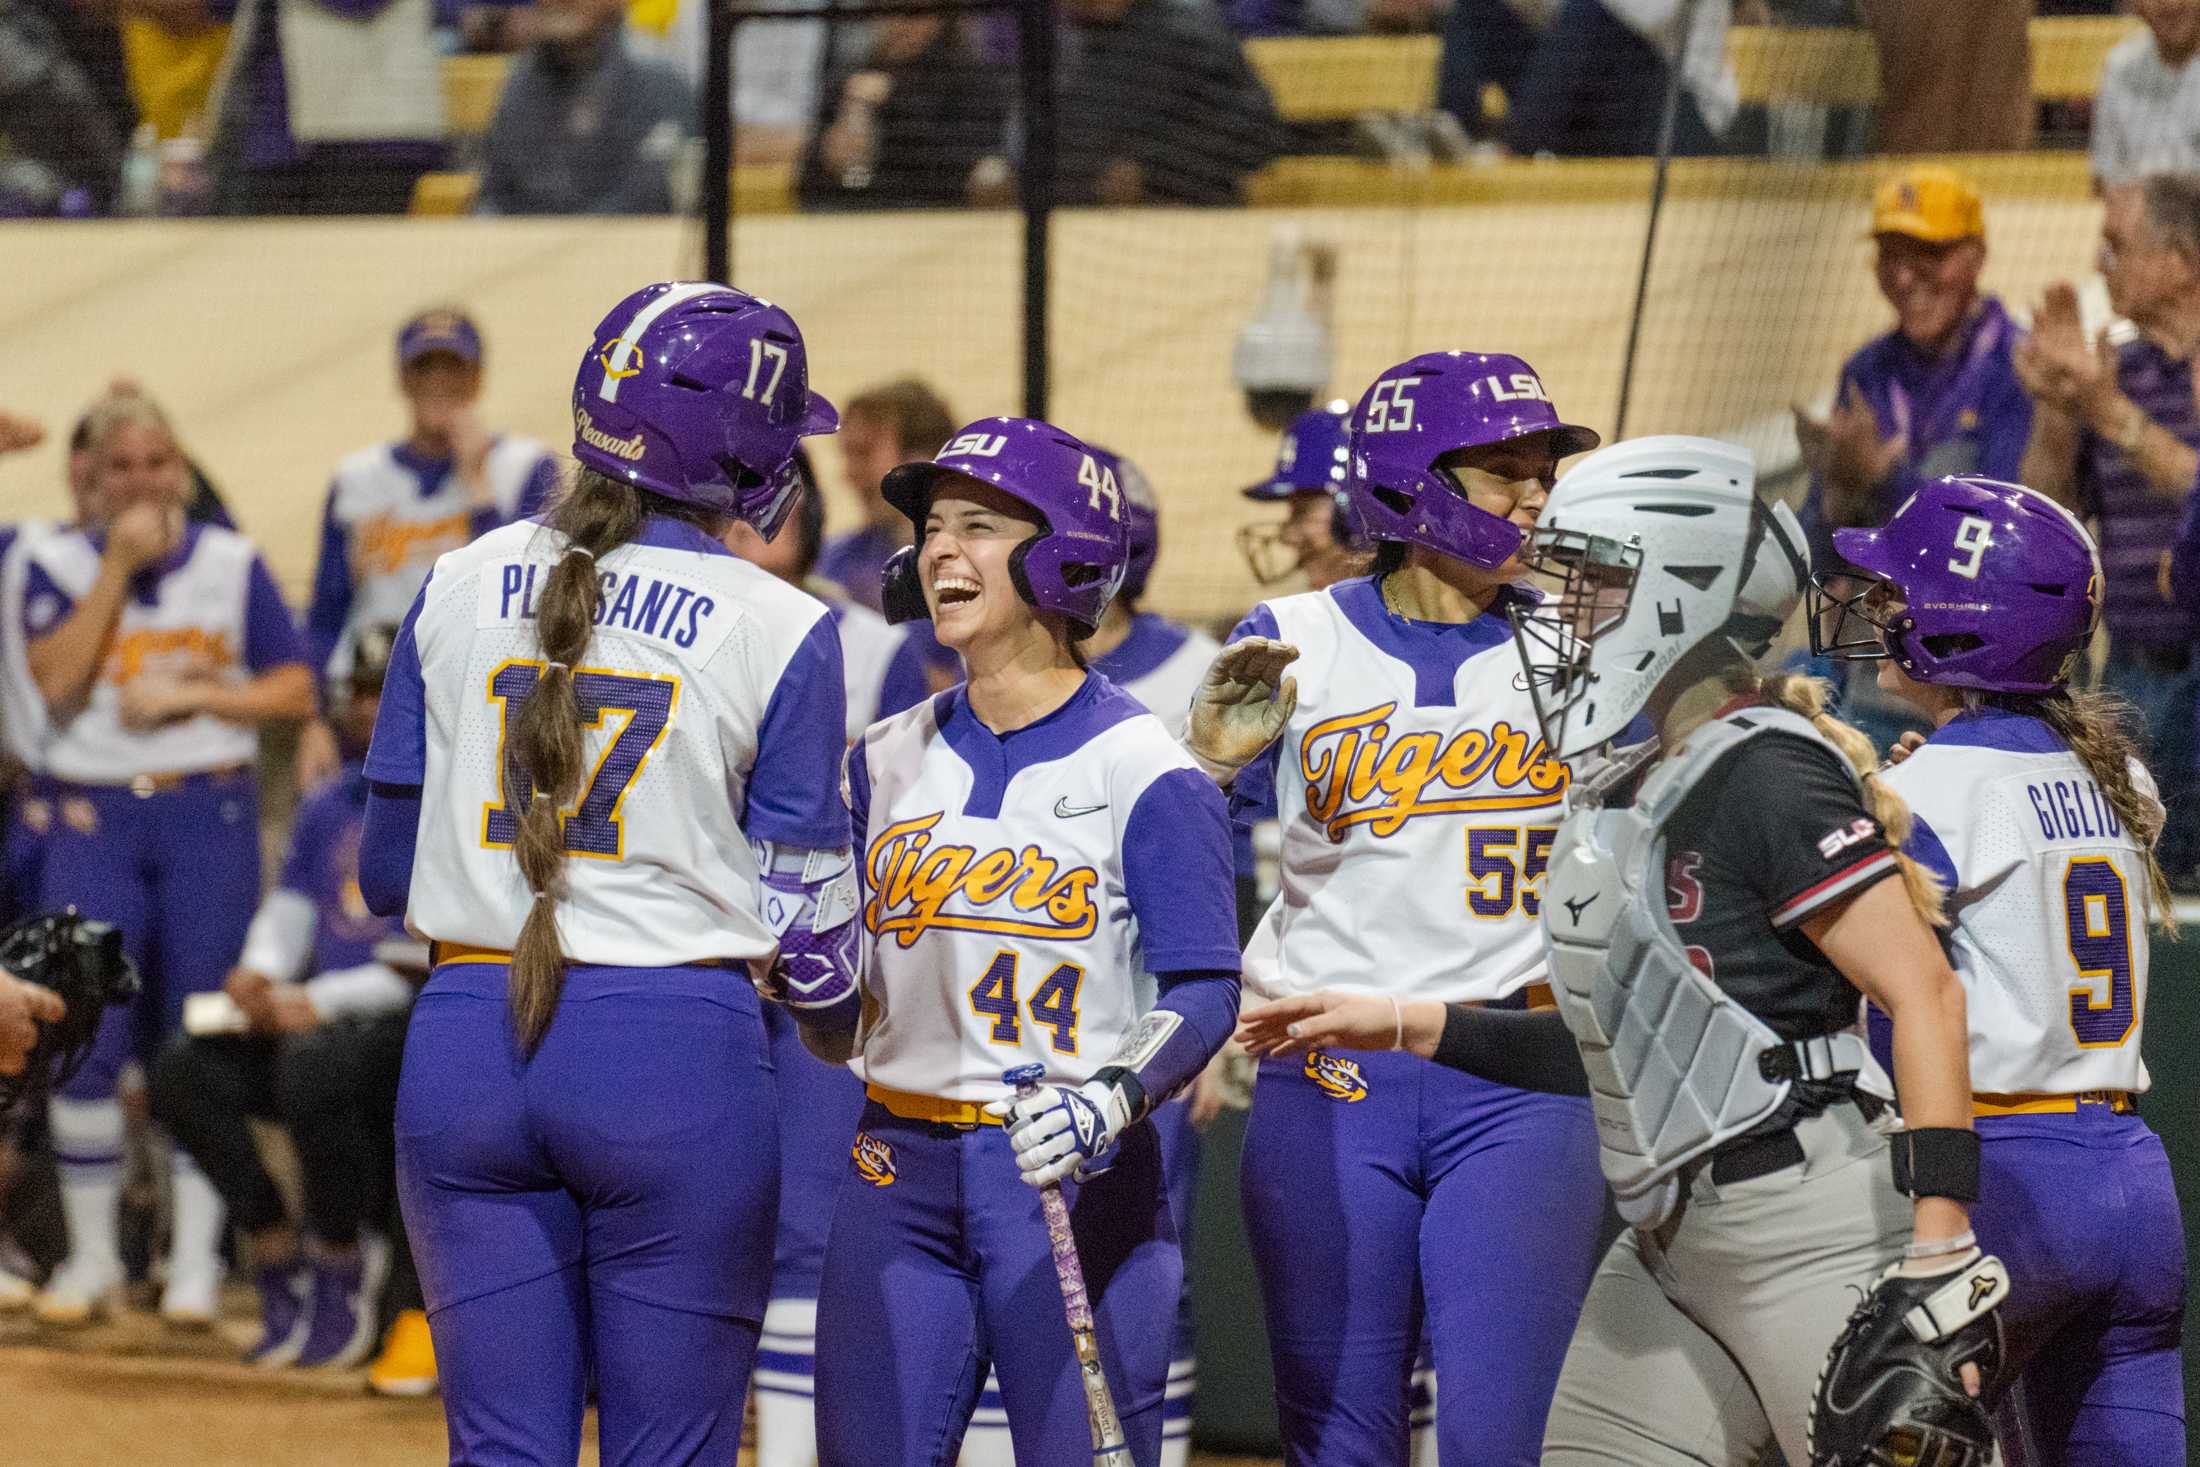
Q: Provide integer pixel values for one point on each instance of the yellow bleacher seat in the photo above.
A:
(1325, 78)
(1328, 78)
(471, 86)
(445, 194)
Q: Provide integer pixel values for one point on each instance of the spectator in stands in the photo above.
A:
(1936, 395)
(1953, 78)
(392, 509)
(60, 142)
(879, 428)
(1157, 105)
(584, 126)
(1588, 78)
(910, 120)
(324, 113)
(2116, 435)
(776, 67)
(321, 1056)
(2146, 113)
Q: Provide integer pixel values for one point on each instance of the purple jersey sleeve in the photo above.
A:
(1253, 792)
(332, 592)
(386, 848)
(271, 637)
(45, 604)
(1178, 874)
(794, 789)
(904, 685)
(398, 757)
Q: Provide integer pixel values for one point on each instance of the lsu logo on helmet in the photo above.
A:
(874, 1160)
(1339, 1079)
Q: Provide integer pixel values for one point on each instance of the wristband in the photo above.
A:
(1940, 1247)
(1937, 1161)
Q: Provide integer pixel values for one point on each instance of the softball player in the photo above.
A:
(2032, 811)
(818, 1102)
(392, 509)
(1047, 880)
(1159, 662)
(1717, 1029)
(603, 785)
(1418, 807)
(158, 648)
(1315, 537)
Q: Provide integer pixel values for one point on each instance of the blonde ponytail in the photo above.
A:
(1807, 696)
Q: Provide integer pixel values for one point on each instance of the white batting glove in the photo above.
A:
(1242, 705)
(1060, 1131)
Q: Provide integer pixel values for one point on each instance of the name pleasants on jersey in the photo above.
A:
(648, 604)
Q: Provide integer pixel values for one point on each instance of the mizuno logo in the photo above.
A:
(1064, 810)
(595, 437)
(1574, 909)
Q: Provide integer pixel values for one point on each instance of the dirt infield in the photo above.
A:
(136, 1394)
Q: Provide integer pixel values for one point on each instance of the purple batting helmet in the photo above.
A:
(1315, 452)
(699, 392)
(1141, 521)
(2000, 585)
(1438, 403)
(1074, 565)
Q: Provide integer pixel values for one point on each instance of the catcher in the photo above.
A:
(1708, 942)
(57, 973)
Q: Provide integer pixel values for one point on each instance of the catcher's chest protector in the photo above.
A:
(1674, 1065)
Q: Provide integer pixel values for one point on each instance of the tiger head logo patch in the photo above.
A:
(874, 1160)
(1339, 1079)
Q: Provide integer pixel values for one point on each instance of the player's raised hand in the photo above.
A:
(1242, 704)
(1910, 742)
(1334, 1020)
(1057, 1130)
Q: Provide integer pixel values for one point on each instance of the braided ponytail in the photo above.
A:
(595, 517)
(2096, 725)
(1807, 696)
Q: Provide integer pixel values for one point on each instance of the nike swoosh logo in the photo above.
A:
(1064, 810)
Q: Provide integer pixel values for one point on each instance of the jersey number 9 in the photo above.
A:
(592, 827)
(2098, 914)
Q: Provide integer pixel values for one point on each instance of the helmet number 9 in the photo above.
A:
(1389, 410)
(760, 351)
(1973, 537)
(1100, 479)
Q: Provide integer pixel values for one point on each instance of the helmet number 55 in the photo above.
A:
(1389, 410)
(1973, 537)
(761, 351)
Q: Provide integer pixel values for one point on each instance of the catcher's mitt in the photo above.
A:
(1891, 1393)
(84, 963)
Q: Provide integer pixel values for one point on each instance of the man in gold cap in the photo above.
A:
(1936, 395)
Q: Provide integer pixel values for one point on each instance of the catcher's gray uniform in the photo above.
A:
(1711, 1033)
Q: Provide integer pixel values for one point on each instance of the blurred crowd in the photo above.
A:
(258, 107)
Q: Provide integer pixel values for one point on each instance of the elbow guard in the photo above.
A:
(812, 905)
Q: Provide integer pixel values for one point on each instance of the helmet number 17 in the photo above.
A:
(1973, 536)
(760, 351)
